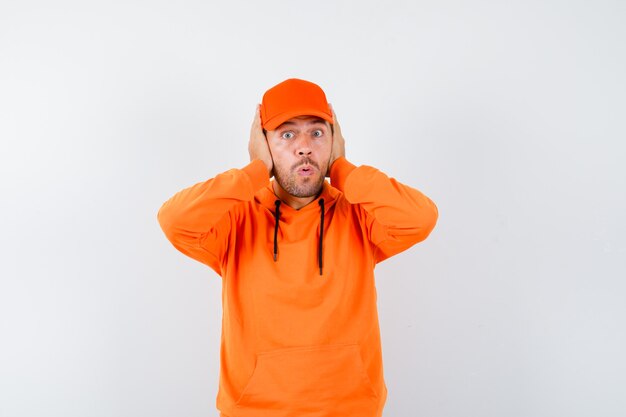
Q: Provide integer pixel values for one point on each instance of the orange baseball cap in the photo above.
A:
(292, 98)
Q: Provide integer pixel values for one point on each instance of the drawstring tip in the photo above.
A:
(277, 220)
(321, 271)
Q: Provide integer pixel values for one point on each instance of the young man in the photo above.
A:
(300, 332)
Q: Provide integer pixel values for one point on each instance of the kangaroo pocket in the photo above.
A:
(306, 380)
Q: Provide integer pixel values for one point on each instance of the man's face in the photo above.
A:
(301, 149)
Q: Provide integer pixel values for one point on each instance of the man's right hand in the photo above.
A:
(258, 146)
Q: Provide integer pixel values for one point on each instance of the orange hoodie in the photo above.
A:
(300, 332)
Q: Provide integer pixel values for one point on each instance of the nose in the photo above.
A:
(304, 147)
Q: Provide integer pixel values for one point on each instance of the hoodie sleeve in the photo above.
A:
(396, 216)
(197, 220)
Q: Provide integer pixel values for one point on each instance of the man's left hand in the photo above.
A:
(339, 144)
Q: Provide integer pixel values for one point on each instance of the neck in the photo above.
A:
(292, 201)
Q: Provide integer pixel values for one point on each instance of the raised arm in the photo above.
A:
(396, 216)
(197, 219)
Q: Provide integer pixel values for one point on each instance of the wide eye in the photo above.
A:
(318, 133)
(287, 135)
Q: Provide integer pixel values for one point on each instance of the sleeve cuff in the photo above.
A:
(339, 171)
(258, 174)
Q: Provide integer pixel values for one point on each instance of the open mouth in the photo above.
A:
(306, 170)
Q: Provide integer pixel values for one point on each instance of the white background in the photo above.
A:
(510, 115)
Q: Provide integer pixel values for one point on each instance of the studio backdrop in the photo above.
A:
(508, 114)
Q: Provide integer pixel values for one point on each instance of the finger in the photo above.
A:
(335, 121)
(336, 126)
(257, 118)
(256, 115)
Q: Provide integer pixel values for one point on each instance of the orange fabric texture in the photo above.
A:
(294, 342)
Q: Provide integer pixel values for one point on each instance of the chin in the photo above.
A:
(307, 189)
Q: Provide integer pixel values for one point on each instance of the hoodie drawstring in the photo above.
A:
(320, 253)
(277, 217)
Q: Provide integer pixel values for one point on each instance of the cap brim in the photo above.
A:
(279, 119)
